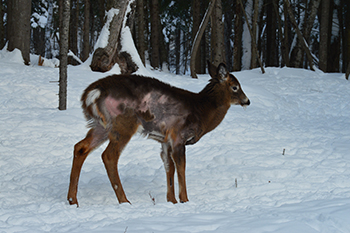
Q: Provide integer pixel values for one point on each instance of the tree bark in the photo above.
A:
(155, 56)
(254, 33)
(104, 58)
(64, 8)
(2, 28)
(18, 28)
(217, 35)
(271, 40)
(237, 43)
(196, 13)
(324, 36)
(347, 72)
(346, 34)
(198, 37)
(86, 33)
(141, 29)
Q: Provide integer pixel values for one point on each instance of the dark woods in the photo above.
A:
(293, 33)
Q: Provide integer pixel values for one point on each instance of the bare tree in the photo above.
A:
(64, 8)
(300, 36)
(18, 28)
(306, 27)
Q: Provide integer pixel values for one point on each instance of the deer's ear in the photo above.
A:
(222, 71)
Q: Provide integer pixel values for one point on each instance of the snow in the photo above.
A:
(104, 35)
(307, 189)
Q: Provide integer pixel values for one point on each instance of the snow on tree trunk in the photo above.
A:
(108, 48)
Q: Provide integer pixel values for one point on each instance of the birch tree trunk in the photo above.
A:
(64, 8)
(255, 50)
(217, 35)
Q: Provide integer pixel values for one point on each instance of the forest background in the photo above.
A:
(293, 33)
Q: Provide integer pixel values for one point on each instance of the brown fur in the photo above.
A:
(116, 106)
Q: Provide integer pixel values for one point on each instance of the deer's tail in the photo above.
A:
(93, 106)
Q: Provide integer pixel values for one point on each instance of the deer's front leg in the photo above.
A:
(179, 158)
(170, 171)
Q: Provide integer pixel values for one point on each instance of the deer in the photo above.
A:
(118, 106)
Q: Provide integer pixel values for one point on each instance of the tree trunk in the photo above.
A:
(306, 28)
(347, 72)
(217, 35)
(271, 40)
(255, 50)
(64, 8)
(86, 33)
(49, 30)
(237, 43)
(155, 56)
(106, 56)
(18, 28)
(228, 23)
(141, 29)
(198, 37)
(196, 13)
(324, 36)
(284, 43)
(2, 28)
(346, 34)
(177, 49)
(299, 35)
(254, 33)
(73, 26)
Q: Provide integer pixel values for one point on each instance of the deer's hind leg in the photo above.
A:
(94, 138)
(124, 127)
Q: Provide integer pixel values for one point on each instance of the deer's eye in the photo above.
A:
(235, 88)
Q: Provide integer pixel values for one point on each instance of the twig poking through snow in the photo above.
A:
(152, 198)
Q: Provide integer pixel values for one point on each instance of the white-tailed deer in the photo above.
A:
(118, 105)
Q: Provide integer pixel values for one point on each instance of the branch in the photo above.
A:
(198, 37)
(300, 36)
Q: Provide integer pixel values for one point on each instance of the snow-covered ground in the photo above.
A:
(289, 152)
